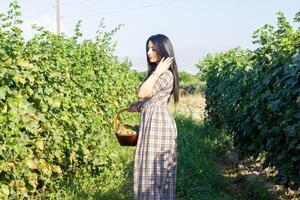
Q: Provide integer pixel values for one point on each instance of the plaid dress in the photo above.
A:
(155, 156)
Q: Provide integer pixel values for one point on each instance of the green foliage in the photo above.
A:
(57, 100)
(255, 95)
(192, 88)
(190, 84)
(224, 74)
(185, 77)
(141, 76)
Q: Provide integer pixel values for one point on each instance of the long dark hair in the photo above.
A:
(164, 48)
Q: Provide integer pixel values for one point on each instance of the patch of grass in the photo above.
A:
(257, 191)
(114, 182)
(198, 147)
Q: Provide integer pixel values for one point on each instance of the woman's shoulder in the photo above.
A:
(168, 74)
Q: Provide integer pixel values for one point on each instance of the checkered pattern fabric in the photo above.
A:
(155, 156)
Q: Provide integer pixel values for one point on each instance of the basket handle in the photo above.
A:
(116, 119)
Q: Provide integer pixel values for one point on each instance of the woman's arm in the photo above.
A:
(145, 91)
(146, 88)
(136, 106)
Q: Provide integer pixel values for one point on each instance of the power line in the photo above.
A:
(129, 9)
(75, 2)
(45, 10)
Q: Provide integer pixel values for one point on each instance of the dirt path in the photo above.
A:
(248, 173)
(245, 175)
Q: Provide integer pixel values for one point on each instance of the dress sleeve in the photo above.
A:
(164, 82)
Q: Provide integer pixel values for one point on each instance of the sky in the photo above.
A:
(195, 27)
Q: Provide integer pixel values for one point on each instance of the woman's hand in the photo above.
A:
(134, 106)
(146, 89)
(163, 65)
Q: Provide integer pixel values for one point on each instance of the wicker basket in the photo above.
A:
(125, 140)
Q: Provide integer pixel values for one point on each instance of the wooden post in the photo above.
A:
(57, 17)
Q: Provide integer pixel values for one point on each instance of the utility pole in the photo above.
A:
(57, 17)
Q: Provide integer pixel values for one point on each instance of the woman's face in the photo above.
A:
(152, 53)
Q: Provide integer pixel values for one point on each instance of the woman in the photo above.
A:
(155, 157)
